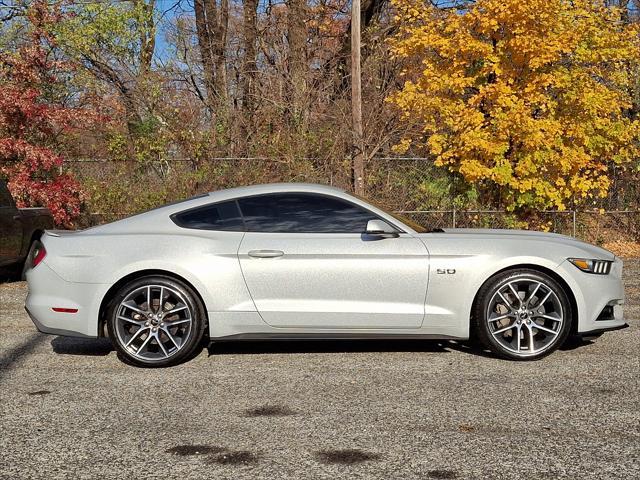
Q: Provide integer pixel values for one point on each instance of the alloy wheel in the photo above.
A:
(153, 322)
(525, 316)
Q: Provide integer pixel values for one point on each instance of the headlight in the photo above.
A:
(599, 267)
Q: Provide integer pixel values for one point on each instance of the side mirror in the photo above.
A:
(380, 227)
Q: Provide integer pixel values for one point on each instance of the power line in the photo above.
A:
(82, 2)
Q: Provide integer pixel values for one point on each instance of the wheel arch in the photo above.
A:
(531, 266)
(35, 236)
(24, 262)
(106, 299)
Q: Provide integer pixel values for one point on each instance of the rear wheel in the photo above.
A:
(156, 321)
(522, 315)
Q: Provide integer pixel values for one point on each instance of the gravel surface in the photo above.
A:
(403, 409)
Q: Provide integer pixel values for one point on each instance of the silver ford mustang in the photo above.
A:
(292, 261)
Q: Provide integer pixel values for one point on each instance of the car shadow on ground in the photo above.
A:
(102, 347)
(81, 346)
(325, 346)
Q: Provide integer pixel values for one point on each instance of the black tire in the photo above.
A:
(164, 335)
(554, 315)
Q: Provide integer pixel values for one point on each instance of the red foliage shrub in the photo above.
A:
(31, 121)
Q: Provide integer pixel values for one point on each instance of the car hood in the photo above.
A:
(582, 248)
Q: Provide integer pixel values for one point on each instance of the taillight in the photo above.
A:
(40, 253)
(64, 310)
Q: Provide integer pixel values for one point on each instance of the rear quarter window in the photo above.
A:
(223, 216)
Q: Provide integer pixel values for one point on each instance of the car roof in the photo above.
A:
(274, 188)
(152, 220)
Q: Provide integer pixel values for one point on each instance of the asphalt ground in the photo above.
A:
(69, 408)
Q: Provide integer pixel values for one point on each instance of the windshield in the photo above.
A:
(407, 221)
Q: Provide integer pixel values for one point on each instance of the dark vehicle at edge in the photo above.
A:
(20, 229)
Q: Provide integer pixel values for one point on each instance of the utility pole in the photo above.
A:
(357, 165)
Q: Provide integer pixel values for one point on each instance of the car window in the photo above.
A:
(302, 213)
(5, 196)
(220, 216)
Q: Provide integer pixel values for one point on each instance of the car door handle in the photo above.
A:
(266, 253)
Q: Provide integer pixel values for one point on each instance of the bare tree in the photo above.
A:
(212, 21)
(250, 68)
(297, 37)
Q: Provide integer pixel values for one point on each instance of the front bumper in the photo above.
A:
(603, 330)
(595, 292)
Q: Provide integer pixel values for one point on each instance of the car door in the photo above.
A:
(10, 228)
(307, 264)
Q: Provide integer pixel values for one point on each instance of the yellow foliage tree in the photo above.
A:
(529, 99)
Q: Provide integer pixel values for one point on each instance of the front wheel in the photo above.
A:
(156, 321)
(522, 315)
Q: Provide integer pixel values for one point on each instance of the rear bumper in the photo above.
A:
(42, 328)
(47, 290)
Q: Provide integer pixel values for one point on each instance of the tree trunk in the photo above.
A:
(204, 44)
(211, 31)
(249, 68)
(219, 49)
(147, 36)
(296, 34)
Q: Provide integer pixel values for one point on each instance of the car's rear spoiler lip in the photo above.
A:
(60, 233)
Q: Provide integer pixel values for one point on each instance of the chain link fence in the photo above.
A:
(428, 195)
